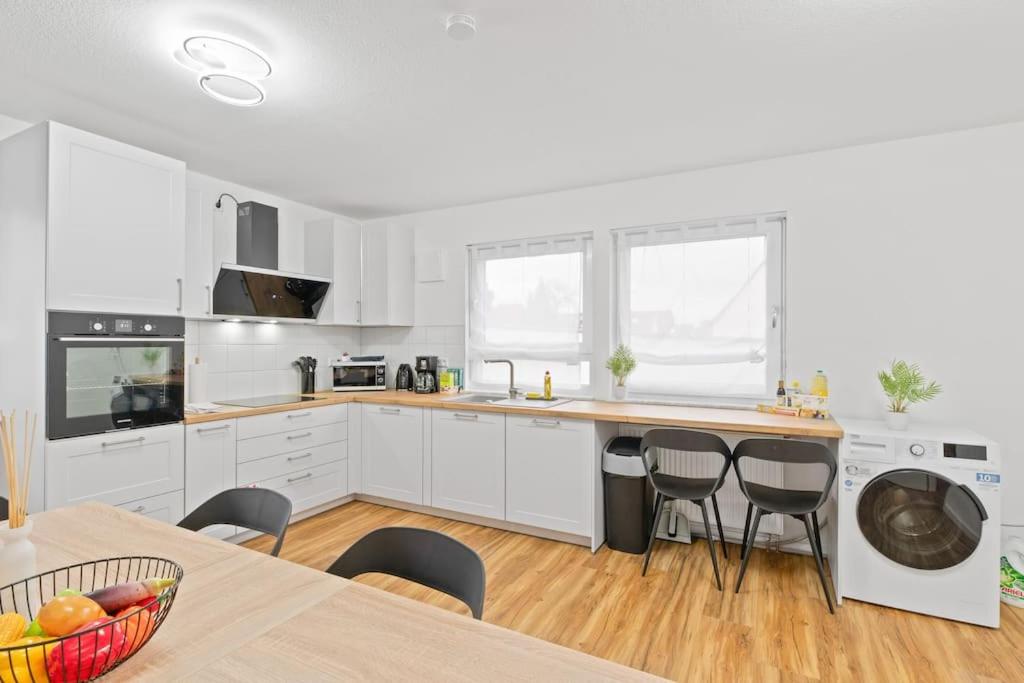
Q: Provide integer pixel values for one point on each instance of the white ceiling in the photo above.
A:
(372, 110)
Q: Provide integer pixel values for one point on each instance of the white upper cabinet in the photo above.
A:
(388, 281)
(116, 226)
(200, 271)
(372, 270)
(468, 462)
(334, 249)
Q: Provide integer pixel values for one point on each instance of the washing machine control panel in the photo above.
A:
(916, 450)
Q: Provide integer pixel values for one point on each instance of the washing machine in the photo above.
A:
(918, 520)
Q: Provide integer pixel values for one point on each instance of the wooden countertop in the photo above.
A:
(241, 615)
(720, 419)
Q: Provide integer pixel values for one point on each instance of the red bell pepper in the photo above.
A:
(87, 653)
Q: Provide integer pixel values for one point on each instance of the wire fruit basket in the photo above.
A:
(89, 652)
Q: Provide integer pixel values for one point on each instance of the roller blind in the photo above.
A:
(700, 304)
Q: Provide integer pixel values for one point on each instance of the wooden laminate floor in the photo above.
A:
(673, 622)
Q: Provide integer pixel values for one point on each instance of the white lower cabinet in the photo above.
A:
(311, 487)
(392, 452)
(116, 467)
(549, 473)
(167, 507)
(209, 467)
(468, 462)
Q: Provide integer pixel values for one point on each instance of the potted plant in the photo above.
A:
(621, 363)
(904, 385)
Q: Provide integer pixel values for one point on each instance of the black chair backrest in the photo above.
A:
(3, 509)
(426, 557)
(786, 451)
(257, 509)
(684, 440)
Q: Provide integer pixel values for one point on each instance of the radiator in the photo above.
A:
(731, 503)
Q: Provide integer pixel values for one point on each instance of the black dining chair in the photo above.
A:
(257, 509)
(426, 557)
(3, 509)
(668, 487)
(768, 500)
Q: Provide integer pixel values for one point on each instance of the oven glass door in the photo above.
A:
(920, 519)
(352, 376)
(98, 384)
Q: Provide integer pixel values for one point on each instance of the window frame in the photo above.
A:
(586, 354)
(705, 231)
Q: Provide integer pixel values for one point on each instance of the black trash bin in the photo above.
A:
(628, 496)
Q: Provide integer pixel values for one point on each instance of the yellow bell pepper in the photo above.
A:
(22, 662)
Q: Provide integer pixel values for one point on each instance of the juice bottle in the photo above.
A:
(819, 385)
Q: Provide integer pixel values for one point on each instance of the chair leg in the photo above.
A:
(747, 548)
(746, 530)
(711, 542)
(817, 532)
(659, 505)
(818, 561)
(718, 521)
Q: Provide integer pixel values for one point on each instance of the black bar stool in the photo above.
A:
(694, 490)
(768, 500)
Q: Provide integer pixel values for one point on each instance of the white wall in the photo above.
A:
(907, 249)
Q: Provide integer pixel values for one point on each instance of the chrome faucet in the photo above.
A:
(513, 393)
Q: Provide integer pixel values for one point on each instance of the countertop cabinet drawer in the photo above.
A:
(167, 507)
(288, 463)
(311, 487)
(286, 442)
(117, 467)
(272, 423)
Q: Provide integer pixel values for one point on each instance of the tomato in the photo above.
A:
(66, 613)
(88, 655)
(28, 664)
(137, 627)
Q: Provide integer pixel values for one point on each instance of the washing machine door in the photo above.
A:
(920, 519)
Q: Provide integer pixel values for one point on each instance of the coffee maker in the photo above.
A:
(426, 374)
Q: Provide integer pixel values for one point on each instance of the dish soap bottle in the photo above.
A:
(819, 385)
(547, 385)
(780, 394)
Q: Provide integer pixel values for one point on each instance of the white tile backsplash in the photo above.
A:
(253, 359)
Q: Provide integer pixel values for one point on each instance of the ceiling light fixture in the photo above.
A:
(231, 89)
(228, 70)
(460, 27)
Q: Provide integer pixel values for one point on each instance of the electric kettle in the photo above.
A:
(404, 380)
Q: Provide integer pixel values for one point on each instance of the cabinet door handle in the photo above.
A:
(105, 444)
(299, 436)
(467, 416)
(140, 508)
(203, 430)
(359, 311)
(307, 475)
(391, 411)
(546, 423)
(293, 458)
(181, 295)
(209, 300)
(292, 416)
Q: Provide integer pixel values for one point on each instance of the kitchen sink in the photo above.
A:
(476, 398)
(510, 402)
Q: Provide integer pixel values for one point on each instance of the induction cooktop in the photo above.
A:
(263, 401)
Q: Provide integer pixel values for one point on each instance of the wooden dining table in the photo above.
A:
(240, 615)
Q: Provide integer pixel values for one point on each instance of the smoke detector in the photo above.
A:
(460, 27)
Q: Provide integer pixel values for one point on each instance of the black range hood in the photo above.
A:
(254, 288)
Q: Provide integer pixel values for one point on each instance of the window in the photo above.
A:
(700, 304)
(529, 302)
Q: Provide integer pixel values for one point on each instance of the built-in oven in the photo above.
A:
(107, 372)
(358, 374)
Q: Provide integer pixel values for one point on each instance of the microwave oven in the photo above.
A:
(358, 375)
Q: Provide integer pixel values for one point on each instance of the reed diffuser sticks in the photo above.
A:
(18, 479)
